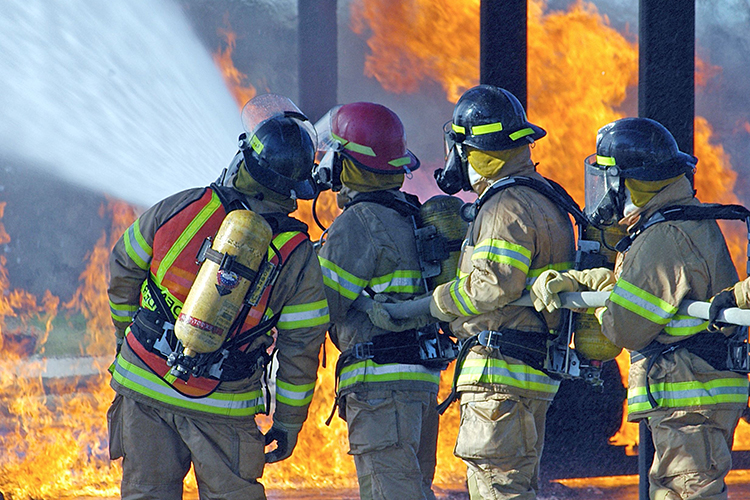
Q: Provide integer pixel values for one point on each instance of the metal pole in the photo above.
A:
(666, 70)
(502, 45)
(318, 56)
(666, 93)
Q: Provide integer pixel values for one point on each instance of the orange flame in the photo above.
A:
(234, 78)
(580, 73)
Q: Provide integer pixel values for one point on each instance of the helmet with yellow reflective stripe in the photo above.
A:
(492, 119)
(278, 146)
(372, 136)
(629, 148)
(640, 148)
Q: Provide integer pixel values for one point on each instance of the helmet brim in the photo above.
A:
(383, 167)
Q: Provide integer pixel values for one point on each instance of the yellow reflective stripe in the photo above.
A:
(607, 161)
(461, 298)
(498, 371)
(642, 303)
(279, 241)
(398, 162)
(136, 247)
(458, 128)
(256, 144)
(370, 372)
(145, 382)
(399, 281)
(353, 146)
(520, 133)
(294, 395)
(304, 315)
(122, 312)
(187, 235)
(487, 128)
(503, 252)
(681, 326)
(533, 274)
(343, 282)
(682, 394)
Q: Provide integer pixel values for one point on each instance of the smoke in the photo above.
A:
(118, 97)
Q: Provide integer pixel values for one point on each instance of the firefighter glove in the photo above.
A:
(285, 436)
(439, 314)
(722, 300)
(382, 315)
(599, 279)
(545, 290)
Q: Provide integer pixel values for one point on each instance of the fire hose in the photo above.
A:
(570, 300)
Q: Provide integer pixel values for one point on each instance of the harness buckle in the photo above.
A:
(490, 339)
(363, 351)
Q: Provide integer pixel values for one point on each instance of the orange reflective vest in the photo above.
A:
(173, 269)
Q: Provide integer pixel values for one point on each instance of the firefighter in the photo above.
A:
(160, 424)
(679, 380)
(370, 248)
(517, 233)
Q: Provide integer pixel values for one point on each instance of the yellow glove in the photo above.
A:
(380, 315)
(599, 279)
(545, 290)
(439, 314)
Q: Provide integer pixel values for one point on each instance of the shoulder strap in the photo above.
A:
(409, 208)
(711, 211)
(554, 191)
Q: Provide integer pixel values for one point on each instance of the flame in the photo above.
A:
(234, 78)
(47, 456)
(581, 72)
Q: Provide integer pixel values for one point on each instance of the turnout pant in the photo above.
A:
(393, 438)
(500, 438)
(693, 454)
(157, 448)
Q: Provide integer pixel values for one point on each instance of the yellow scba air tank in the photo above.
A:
(217, 293)
(588, 337)
(443, 212)
(590, 341)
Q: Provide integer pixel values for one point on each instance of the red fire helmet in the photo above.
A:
(373, 136)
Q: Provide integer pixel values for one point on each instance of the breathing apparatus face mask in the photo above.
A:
(327, 172)
(454, 177)
(604, 192)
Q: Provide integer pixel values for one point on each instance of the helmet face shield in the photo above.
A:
(603, 192)
(258, 110)
(278, 146)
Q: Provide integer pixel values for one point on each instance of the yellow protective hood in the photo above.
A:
(245, 184)
(489, 163)
(641, 192)
(365, 181)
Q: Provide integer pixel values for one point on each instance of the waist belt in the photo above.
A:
(225, 364)
(712, 347)
(528, 347)
(426, 346)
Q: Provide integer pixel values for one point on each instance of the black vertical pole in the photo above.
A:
(502, 45)
(318, 56)
(666, 93)
(666, 72)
